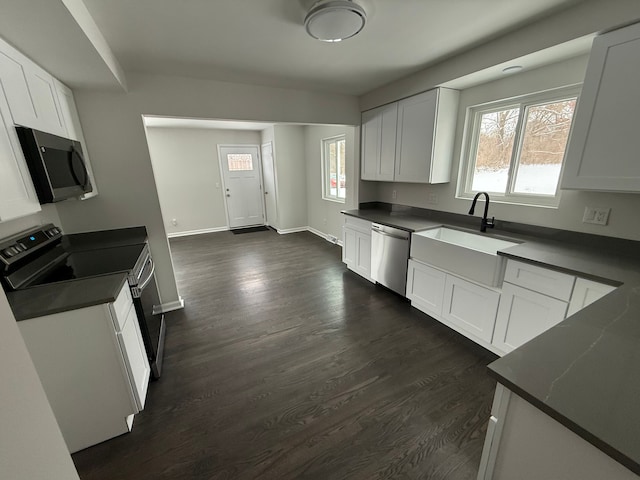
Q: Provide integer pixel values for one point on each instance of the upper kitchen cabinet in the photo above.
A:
(410, 140)
(17, 195)
(603, 150)
(30, 92)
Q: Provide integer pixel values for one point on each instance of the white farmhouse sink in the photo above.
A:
(470, 255)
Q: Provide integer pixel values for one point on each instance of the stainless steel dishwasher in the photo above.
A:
(390, 256)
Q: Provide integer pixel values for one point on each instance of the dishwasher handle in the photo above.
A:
(390, 235)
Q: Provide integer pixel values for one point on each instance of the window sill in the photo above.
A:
(334, 200)
(552, 203)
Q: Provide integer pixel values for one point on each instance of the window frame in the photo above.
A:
(326, 168)
(470, 145)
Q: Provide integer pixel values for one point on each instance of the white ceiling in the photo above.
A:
(257, 41)
(264, 41)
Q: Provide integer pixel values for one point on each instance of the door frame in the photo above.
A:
(224, 187)
(275, 183)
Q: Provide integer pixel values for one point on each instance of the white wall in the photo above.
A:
(49, 214)
(568, 216)
(115, 134)
(324, 215)
(31, 444)
(187, 172)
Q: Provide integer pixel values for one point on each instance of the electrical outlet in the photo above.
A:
(596, 215)
(433, 199)
(394, 194)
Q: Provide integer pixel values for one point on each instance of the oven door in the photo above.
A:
(145, 299)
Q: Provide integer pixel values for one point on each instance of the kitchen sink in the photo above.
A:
(470, 255)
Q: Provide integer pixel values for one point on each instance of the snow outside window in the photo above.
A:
(514, 149)
(334, 167)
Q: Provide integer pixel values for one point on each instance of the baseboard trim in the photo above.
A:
(285, 231)
(169, 307)
(197, 232)
(326, 236)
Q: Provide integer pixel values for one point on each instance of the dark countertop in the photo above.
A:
(585, 371)
(62, 296)
(105, 239)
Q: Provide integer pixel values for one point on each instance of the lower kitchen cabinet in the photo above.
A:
(524, 443)
(425, 288)
(585, 292)
(93, 367)
(470, 308)
(523, 315)
(356, 246)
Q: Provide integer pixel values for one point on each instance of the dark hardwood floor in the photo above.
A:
(284, 365)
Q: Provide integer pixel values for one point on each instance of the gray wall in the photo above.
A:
(623, 220)
(31, 445)
(324, 215)
(187, 172)
(115, 134)
(289, 152)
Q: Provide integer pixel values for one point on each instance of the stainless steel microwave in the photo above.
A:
(56, 164)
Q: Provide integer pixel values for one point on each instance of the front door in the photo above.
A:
(241, 175)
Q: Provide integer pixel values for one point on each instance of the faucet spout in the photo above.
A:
(485, 221)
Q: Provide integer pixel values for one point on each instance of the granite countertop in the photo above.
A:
(585, 371)
(62, 296)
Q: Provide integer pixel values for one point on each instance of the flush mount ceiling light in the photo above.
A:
(512, 69)
(335, 20)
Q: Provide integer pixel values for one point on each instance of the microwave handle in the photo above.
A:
(76, 155)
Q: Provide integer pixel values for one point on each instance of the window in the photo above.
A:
(514, 148)
(239, 162)
(333, 168)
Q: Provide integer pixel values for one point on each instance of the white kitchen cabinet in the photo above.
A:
(410, 140)
(93, 367)
(379, 143)
(470, 308)
(542, 280)
(425, 288)
(30, 92)
(17, 195)
(74, 129)
(523, 315)
(602, 153)
(585, 292)
(524, 443)
(356, 246)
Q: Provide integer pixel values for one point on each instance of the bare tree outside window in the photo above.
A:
(517, 148)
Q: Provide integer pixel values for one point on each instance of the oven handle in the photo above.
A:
(137, 290)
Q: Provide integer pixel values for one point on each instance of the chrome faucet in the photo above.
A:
(485, 221)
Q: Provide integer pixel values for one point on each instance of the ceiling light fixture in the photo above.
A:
(512, 69)
(335, 20)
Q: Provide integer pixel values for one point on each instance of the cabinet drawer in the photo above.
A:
(541, 280)
(121, 306)
(359, 224)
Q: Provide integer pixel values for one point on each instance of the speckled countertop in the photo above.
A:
(585, 371)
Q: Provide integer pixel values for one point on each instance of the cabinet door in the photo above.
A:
(17, 195)
(45, 101)
(585, 293)
(523, 315)
(135, 357)
(425, 288)
(416, 128)
(14, 84)
(349, 247)
(604, 145)
(379, 143)
(470, 308)
(363, 255)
